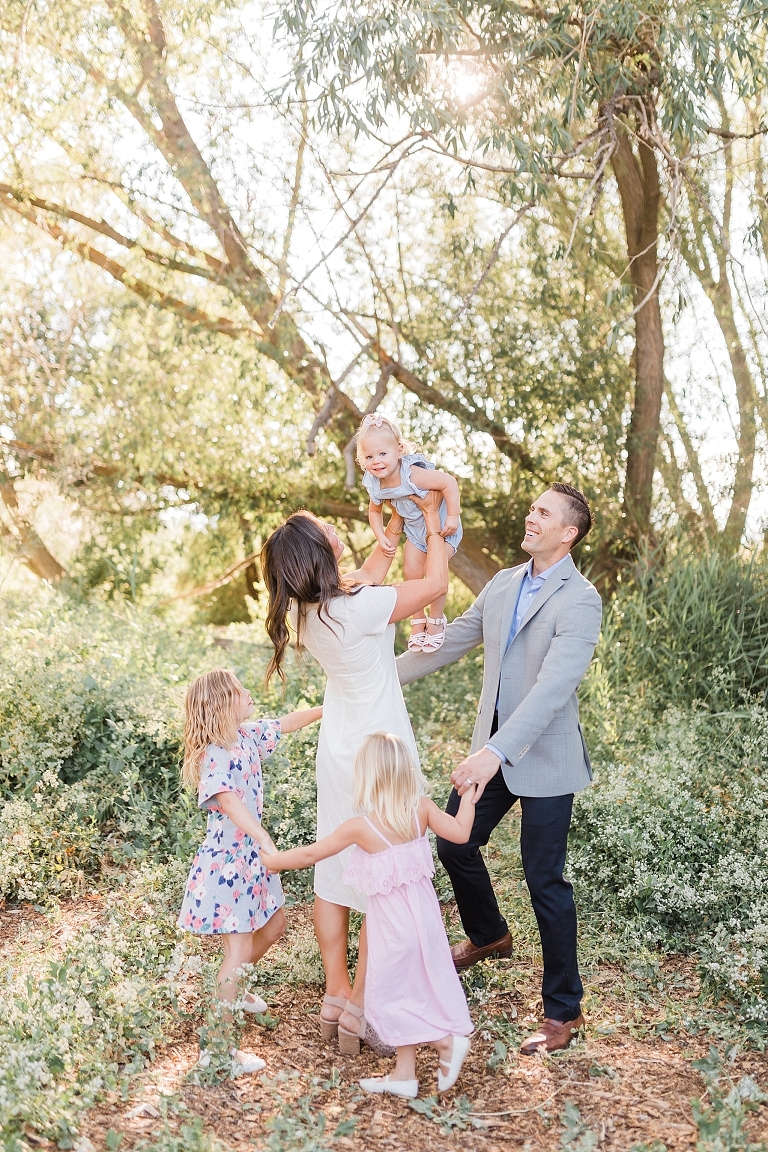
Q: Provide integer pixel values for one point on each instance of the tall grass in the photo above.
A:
(690, 628)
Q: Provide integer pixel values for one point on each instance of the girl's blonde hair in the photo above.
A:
(211, 711)
(375, 423)
(387, 783)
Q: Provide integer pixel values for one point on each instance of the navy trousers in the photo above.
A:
(544, 828)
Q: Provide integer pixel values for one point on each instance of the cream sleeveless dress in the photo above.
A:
(354, 645)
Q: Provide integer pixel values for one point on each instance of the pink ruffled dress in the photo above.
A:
(412, 992)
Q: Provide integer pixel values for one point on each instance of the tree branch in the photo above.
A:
(105, 229)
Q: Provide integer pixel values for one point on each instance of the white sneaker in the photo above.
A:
(252, 1003)
(243, 1062)
(458, 1056)
(407, 1088)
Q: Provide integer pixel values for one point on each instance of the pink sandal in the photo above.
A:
(416, 639)
(433, 641)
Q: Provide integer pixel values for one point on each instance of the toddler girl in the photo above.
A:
(412, 993)
(394, 474)
(229, 891)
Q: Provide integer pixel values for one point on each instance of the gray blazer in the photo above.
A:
(536, 677)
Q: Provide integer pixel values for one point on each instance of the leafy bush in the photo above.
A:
(689, 628)
(670, 849)
(94, 1014)
(48, 842)
(90, 724)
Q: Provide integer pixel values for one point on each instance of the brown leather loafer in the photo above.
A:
(466, 953)
(552, 1036)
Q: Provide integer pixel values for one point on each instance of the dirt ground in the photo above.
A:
(628, 1082)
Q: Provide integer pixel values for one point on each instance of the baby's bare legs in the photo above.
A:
(438, 606)
(414, 563)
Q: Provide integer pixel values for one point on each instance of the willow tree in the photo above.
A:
(134, 141)
(542, 95)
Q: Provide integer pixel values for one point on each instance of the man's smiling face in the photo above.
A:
(546, 526)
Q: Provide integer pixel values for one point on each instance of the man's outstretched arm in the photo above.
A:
(461, 636)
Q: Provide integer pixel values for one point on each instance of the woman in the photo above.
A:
(350, 632)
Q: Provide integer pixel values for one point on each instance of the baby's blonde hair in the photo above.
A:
(211, 712)
(387, 783)
(377, 423)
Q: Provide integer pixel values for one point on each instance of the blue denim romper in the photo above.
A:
(400, 498)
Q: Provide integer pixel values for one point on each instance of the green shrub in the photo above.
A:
(689, 628)
(90, 724)
(670, 849)
(72, 1028)
(48, 842)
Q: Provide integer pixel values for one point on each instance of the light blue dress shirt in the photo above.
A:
(529, 588)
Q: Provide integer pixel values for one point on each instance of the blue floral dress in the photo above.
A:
(229, 889)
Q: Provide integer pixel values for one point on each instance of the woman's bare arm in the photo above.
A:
(413, 595)
(376, 566)
(448, 485)
(376, 521)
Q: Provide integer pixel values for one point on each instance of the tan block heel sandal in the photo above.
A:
(329, 1029)
(349, 1042)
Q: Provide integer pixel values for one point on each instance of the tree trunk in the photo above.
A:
(722, 301)
(30, 548)
(637, 176)
(706, 255)
(473, 566)
(694, 465)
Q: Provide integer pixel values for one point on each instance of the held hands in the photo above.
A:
(477, 770)
(266, 846)
(387, 544)
(470, 796)
(271, 859)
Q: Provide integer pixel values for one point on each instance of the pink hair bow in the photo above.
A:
(373, 419)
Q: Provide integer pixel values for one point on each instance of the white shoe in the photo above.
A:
(252, 1003)
(382, 1084)
(243, 1062)
(458, 1056)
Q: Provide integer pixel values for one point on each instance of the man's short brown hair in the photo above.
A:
(579, 514)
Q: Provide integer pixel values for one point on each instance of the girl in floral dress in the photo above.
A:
(229, 891)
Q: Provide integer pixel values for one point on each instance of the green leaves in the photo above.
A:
(720, 1117)
(578, 1136)
(459, 1116)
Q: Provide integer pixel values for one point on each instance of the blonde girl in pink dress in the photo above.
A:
(412, 993)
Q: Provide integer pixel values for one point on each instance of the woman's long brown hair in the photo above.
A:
(298, 564)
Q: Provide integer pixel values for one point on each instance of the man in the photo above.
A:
(540, 623)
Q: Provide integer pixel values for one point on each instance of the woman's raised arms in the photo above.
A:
(412, 595)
